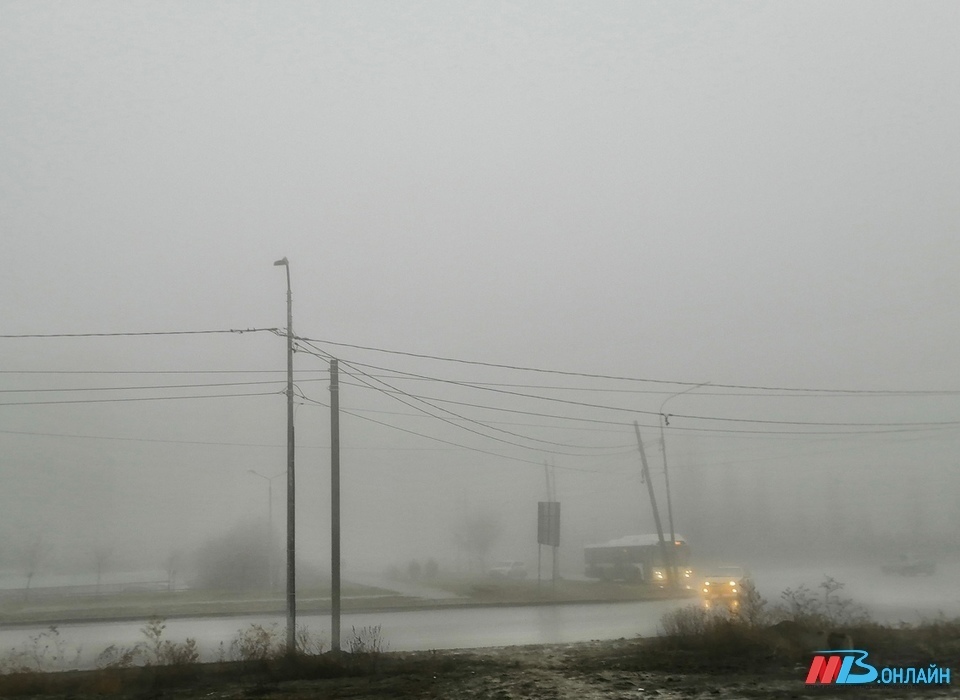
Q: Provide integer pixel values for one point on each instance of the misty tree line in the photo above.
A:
(748, 512)
(247, 557)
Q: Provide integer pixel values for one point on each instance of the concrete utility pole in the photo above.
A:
(291, 482)
(667, 554)
(335, 505)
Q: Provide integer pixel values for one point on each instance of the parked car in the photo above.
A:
(509, 569)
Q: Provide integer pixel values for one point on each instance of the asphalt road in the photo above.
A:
(400, 631)
(888, 598)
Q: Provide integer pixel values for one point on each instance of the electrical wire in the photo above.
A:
(204, 443)
(141, 333)
(465, 418)
(590, 375)
(525, 413)
(446, 442)
(150, 386)
(667, 392)
(157, 371)
(139, 398)
(633, 411)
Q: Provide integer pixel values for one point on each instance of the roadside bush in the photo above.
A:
(366, 640)
(308, 643)
(691, 621)
(256, 643)
(804, 621)
(154, 651)
(803, 606)
(712, 633)
(46, 651)
(753, 606)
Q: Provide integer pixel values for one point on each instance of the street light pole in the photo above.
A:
(663, 444)
(291, 514)
(270, 557)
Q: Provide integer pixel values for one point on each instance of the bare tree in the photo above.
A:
(31, 556)
(172, 564)
(102, 554)
(235, 560)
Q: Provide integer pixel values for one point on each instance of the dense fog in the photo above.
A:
(520, 228)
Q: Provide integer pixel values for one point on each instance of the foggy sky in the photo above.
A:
(751, 194)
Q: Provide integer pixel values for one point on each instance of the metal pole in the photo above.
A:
(335, 505)
(291, 482)
(666, 477)
(663, 443)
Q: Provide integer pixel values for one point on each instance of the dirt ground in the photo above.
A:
(589, 671)
(628, 668)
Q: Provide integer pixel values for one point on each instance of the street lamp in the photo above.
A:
(269, 480)
(291, 515)
(663, 444)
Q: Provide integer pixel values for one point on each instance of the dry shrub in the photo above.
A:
(692, 621)
(154, 651)
(43, 652)
(366, 640)
(309, 643)
(257, 643)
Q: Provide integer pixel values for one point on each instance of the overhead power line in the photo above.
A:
(844, 430)
(139, 398)
(590, 375)
(146, 387)
(394, 394)
(156, 371)
(634, 411)
(448, 442)
(202, 443)
(139, 333)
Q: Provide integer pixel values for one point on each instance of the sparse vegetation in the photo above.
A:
(309, 643)
(366, 640)
(697, 645)
(257, 643)
(751, 638)
(43, 652)
(754, 634)
(155, 650)
(803, 606)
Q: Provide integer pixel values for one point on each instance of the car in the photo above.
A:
(723, 582)
(909, 565)
(509, 569)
